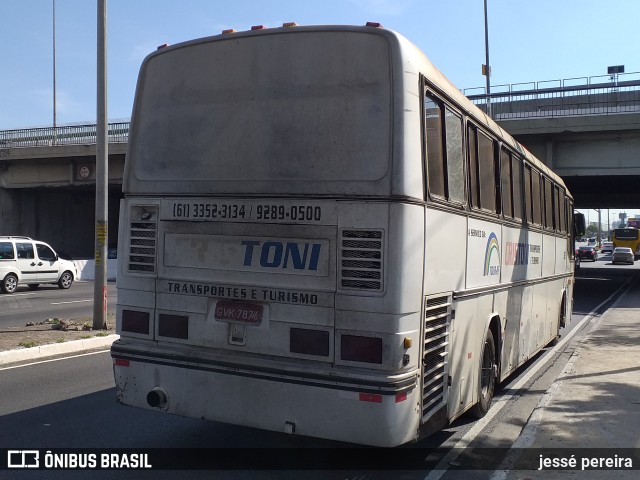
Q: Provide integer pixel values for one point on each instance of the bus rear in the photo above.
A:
(272, 270)
(627, 237)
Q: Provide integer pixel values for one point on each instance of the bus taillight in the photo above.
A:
(173, 326)
(355, 348)
(309, 342)
(135, 321)
(370, 397)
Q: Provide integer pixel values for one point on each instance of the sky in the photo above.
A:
(529, 41)
(591, 216)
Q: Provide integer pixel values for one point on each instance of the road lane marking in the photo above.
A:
(442, 467)
(529, 431)
(72, 301)
(57, 359)
(11, 295)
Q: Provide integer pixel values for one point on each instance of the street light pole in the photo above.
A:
(102, 175)
(487, 67)
(599, 241)
(54, 72)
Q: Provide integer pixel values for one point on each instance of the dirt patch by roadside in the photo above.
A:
(51, 331)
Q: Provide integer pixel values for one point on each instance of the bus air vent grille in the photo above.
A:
(361, 259)
(435, 365)
(143, 241)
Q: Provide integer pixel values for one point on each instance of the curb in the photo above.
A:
(55, 349)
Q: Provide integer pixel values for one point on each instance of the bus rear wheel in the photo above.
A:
(487, 378)
(561, 323)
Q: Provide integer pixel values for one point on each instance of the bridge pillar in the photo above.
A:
(549, 160)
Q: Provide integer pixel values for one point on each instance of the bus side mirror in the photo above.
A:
(579, 225)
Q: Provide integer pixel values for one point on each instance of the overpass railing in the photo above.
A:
(80, 134)
(601, 95)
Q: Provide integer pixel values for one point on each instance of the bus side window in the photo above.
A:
(547, 192)
(445, 159)
(505, 183)
(486, 163)
(563, 213)
(536, 199)
(557, 198)
(516, 181)
(483, 170)
(474, 180)
(455, 158)
(435, 154)
(528, 208)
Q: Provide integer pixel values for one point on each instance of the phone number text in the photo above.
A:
(231, 211)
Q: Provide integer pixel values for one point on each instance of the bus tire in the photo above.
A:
(555, 340)
(487, 377)
(561, 323)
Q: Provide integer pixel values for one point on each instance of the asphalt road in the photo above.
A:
(58, 404)
(49, 301)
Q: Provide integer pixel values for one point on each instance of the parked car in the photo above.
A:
(622, 255)
(587, 253)
(31, 262)
(607, 247)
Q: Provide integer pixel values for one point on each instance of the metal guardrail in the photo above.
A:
(601, 95)
(84, 134)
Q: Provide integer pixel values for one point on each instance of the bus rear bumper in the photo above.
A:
(385, 415)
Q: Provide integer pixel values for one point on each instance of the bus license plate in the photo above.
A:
(249, 313)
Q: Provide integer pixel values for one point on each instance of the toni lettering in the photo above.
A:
(274, 254)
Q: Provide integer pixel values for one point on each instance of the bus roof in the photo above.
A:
(414, 61)
(448, 89)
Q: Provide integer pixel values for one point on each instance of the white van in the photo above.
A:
(27, 261)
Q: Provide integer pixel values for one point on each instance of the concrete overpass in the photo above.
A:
(588, 133)
(47, 184)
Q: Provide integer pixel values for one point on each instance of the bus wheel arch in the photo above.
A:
(489, 367)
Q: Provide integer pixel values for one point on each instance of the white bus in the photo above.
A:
(322, 236)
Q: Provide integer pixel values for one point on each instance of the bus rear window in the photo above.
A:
(626, 234)
(265, 109)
